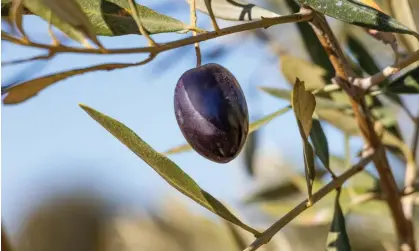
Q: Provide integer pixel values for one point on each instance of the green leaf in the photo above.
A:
(235, 10)
(338, 239)
(321, 147)
(321, 103)
(166, 168)
(70, 12)
(110, 18)
(303, 104)
(312, 44)
(26, 90)
(250, 152)
(356, 13)
(293, 67)
(252, 128)
(282, 191)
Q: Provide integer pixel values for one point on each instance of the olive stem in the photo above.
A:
(140, 25)
(192, 4)
(265, 22)
(332, 185)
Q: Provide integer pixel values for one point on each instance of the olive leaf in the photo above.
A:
(235, 10)
(252, 128)
(303, 104)
(26, 90)
(321, 147)
(69, 11)
(337, 239)
(322, 103)
(250, 152)
(108, 18)
(403, 11)
(166, 168)
(359, 14)
(293, 67)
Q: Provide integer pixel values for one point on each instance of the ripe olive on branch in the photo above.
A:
(212, 113)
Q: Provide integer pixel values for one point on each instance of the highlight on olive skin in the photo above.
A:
(211, 112)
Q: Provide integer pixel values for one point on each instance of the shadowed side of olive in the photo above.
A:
(211, 111)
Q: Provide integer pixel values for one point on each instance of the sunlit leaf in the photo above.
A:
(338, 239)
(69, 11)
(356, 13)
(26, 90)
(110, 18)
(303, 104)
(235, 10)
(166, 168)
(321, 103)
(252, 127)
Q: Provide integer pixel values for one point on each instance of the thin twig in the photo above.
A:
(264, 23)
(334, 184)
(140, 25)
(212, 16)
(193, 18)
(367, 83)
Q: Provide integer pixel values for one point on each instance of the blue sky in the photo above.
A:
(50, 146)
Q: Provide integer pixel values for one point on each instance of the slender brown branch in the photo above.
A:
(334, 184)
(264, 23)
(404, 227)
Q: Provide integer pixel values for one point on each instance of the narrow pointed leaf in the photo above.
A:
(250, 152)
(235, 10)
(252, 128)
(303, 104)
(26, 90)
(321, 147)
(338, 239)
(359, 14)
(109, 18)
(166, 168)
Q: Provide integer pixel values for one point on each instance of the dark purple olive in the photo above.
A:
(211, 111)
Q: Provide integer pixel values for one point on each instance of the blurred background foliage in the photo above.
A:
(84, 221)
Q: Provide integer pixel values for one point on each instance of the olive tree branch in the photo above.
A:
(287, 218)
(264, 23)
(404, 227)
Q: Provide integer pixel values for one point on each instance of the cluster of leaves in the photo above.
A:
(313, 99)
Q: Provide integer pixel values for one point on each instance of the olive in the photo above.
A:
(211, 112)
